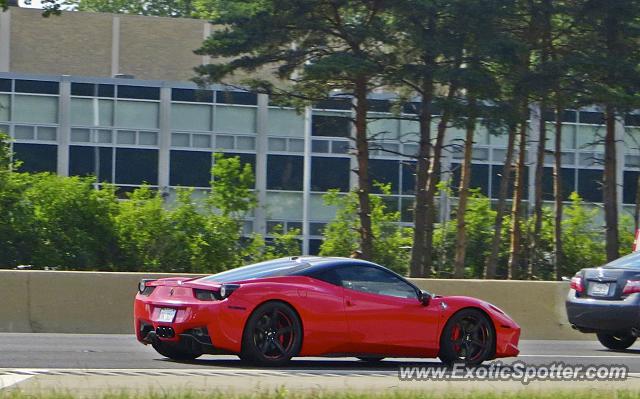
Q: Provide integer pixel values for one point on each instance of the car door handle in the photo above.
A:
(348, 301)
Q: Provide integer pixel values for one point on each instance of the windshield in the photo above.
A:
(271, 268)
(631, 261)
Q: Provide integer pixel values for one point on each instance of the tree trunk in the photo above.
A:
(463, 194)
(609, 186)
(537, 203)
(516, 210)
(490, 266)
(422, 166)
(433, 180)
(362, 147)
(558, 195)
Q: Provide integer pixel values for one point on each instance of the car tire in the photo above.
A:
(616, 341)
(371, 359)
(272, 335)
(467, 338)
(175, 351)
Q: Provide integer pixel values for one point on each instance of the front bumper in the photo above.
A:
(507, 336)
(598, 315)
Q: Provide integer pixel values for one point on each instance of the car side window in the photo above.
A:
(328, 276)
(374, 281)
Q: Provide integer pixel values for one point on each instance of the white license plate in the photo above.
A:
(599, 289)
(167, 315)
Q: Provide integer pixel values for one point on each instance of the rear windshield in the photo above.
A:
(631, 261)
(271, 268)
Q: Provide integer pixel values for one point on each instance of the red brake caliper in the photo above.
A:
(455, 335)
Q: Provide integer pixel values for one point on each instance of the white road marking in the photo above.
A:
(582, 356)
(8, 380)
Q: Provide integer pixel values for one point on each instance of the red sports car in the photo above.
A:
(269, 312)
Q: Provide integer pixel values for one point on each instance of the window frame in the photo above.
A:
(335, 279)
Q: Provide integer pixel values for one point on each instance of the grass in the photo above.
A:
(284, 394)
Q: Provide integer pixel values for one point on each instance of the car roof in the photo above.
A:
(291, 266)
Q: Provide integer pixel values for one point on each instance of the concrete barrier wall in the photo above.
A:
(95, 302)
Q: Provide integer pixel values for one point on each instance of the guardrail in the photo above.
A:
(102, 302)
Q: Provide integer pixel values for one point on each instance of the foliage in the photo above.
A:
(582, 241)
(479, 220)
(391, 242)
(65, 222)
(158, 8)
(231, 187)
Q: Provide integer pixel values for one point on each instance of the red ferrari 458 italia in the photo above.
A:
(272, 311)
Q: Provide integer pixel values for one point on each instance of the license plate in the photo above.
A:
(167, 315)
(599, 289)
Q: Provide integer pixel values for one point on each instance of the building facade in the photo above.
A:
(67, 114)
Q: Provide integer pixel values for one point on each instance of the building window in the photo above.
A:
(35, 109)
(190, 168)
(479, 178)
(134, 166)
(408, 178)
(36, 87)
(192, 95)
(334, 103)
(5, 85)
(284, 172)
(36, 157)
(229, 119)
(385, 172)
(590, 184)
(236, 97)
(191, 117)
(593, 118)
(314, 246)
(83, 112)
(5, 107)
(137, 114)
(630, 187)
(568, 178)
(91, 90)
(330, 173)
(330, 126)
(91, 161)
(139, 92)
(496, 178)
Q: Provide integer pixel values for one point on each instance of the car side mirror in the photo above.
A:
(424, 297)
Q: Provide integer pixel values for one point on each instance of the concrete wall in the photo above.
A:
(100, 44)
(88, 302)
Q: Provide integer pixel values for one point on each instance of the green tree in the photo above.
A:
(158, 8)
(319, 47)
(231, 188)
(607, 62)
(582, 239)
(341, 234)
(479, 233)
(72, 221)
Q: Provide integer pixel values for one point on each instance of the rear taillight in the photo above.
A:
(631, 287)
(143, 288)
(206, 295)
(576, 284)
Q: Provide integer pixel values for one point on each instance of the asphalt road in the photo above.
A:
(94, 362)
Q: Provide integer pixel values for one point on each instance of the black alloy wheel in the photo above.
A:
(272, 336)
(616, 341)
(467, 338)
